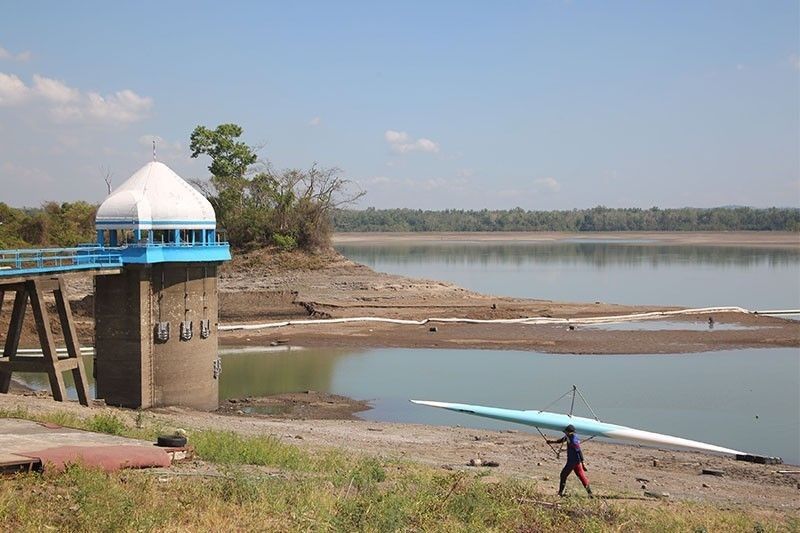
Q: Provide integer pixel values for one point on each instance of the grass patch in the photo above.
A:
(227, 447)
(319, 491)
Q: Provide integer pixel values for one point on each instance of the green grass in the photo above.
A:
(263, 484)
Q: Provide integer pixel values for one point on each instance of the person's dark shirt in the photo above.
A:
(574, 453)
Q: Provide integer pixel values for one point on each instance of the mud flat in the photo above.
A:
(262, 287)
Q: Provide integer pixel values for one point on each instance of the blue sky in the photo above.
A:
(541, 105)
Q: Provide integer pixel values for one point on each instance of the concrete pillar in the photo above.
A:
(134, 368)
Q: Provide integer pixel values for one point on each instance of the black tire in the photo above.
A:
(171, 441)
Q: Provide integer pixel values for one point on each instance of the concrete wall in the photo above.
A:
(134, 368)
(122, 367)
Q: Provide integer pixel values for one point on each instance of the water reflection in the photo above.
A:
(254, 373)
(596, 253)
(626, 273)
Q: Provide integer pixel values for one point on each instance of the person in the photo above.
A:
(574, 460)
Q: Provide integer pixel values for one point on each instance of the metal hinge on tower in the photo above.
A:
(205, 328)
(217, 367)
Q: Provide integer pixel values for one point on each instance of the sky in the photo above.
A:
(432, 105)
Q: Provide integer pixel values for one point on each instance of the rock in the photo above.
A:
(655, 462)
(712, 472)
(642, 480)
(433, 329)
(644, 486)
(657, 495)
(705, 486)
(476, 437)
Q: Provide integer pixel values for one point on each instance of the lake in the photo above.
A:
(744, 399)
(582, 270)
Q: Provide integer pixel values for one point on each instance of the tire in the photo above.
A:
(171, 441)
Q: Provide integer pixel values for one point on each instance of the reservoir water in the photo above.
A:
(745, 399)
(633, 272)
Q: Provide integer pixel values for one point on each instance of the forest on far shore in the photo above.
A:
(576, 220)
(72, 223)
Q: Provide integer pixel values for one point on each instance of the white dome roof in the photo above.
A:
(155, 198)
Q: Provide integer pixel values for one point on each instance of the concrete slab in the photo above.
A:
(23, 442)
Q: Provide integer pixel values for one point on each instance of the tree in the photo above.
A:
(229, 158)
(258, 205)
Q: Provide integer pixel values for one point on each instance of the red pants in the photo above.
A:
(578, 469)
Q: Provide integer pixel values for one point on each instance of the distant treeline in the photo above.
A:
(53, 224)
(594, 219)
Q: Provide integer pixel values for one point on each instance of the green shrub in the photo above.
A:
(284, 242)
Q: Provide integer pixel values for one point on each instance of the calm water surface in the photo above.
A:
(587, 270)
(746, 399)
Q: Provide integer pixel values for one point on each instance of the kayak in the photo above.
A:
(583, 426)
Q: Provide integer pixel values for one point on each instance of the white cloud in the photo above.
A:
(465, 173)
(547, 185)
(376, 180)
(400, 142)
(22, 56)
(122, 106)
(12, 90)
(67, 104)
(54, 90)
(316, 121)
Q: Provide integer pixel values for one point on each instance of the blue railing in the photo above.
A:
(46, 260)
(91, 257)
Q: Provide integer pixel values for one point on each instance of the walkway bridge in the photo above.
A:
(46, 262)
(30, 273)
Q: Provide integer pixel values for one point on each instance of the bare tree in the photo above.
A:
(106, 177)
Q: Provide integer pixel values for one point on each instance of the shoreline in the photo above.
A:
(757, 239)
(615, 468)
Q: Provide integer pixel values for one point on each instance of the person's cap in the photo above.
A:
(569, 429)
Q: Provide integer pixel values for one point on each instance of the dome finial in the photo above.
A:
(154, 150)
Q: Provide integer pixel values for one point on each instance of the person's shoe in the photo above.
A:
(589, 492)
